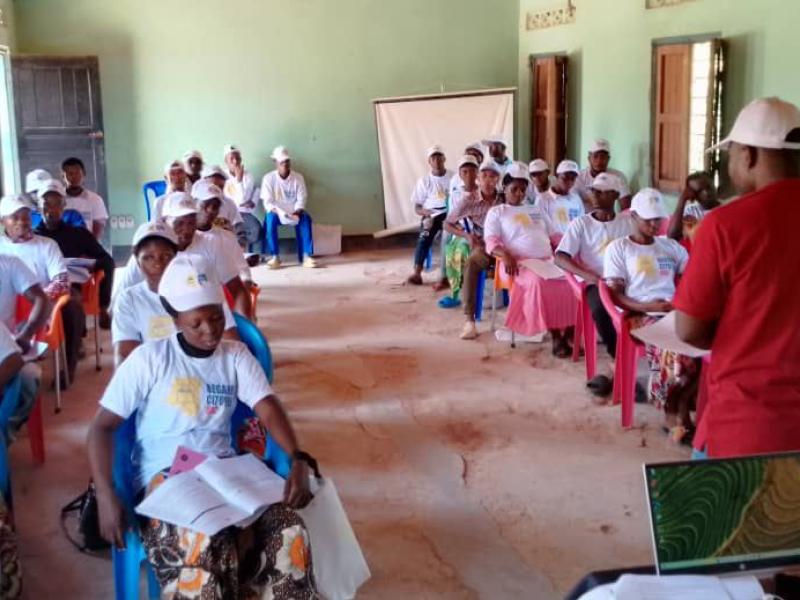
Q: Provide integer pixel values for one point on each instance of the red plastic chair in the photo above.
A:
(585, 332)
(90, 292)
(629, 351)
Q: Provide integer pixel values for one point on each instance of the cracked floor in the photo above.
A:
(468, 469)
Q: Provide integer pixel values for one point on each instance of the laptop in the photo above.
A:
(728, 515)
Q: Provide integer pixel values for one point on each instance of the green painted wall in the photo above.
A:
(187, 74)
(609, 48)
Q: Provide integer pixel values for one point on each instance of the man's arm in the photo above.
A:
(568, 263)
(241, 296)
(697, 332)
(38, 315)
(98, 226)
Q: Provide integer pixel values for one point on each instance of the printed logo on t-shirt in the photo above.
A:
(219, 396)
(159, 327)
(185, 395)
(645, 265)
(574, 213)
(523, 219)
(562, 215)
(601, 247)
(666, 266)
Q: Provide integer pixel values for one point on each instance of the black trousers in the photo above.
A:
(602, 320)
(107, 266)
(74, 330)
(426, 235)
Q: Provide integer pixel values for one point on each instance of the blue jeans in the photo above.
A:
(305, 242)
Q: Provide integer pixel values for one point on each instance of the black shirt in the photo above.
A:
(74, 242)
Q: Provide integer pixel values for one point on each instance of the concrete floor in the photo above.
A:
(469, 470)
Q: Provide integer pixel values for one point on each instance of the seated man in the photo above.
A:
(561, 204)
(44, 258)
(18, 280)
(456, 183)
(193, 166)
(497, 151)
(599, 157)
(540, 181)
(228, 217)
(180, 213)
(11, 365)
(75, 242)
(86, 202)
(284, 194)
(241, 188)
(33, 181)
(697, 199)
(175, 176)
(581, 252)
(430, 203)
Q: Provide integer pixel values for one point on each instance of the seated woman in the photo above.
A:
(516, 231)
(184, 390)
(139, 315)
(640, 270)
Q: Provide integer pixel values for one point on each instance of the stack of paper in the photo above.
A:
(543, 268)
(686, 587)
(216, 494)
(661, 334)
(79, 269)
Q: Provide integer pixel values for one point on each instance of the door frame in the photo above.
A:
(532, 90)
(9, 150)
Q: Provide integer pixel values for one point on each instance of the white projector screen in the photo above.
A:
(408, 126)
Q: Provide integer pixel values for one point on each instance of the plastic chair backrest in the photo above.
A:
(90, 292)
(577, 286)
(54, 334)
(501, 280)
(255, 341)
(616, 314)
(8, 405)
(156, 188)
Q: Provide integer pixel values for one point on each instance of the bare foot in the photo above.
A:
(415, 279)
(441, 285)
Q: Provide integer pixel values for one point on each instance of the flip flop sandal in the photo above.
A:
(449, 302)
(600, 386)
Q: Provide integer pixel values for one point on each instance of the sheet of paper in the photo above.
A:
(36, 352)
(78, 274)
(187, 500)
(86, 263)
(543, 268)
(287, 218)
(662, 335)
(672, 587)
(244, 481)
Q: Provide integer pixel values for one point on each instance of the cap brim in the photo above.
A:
(722, 146)
(185, 213)
(205, 297)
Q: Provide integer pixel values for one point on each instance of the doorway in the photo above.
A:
(549, 108)
(59, 114)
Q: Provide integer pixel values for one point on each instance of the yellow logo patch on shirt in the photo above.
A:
(645, 265)
(159, 327)
(601, 249)
(562, 215)
(185, 395)
(522, 219)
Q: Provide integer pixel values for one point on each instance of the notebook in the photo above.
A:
(725, 515)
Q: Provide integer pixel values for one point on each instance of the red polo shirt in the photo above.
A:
(744, 273)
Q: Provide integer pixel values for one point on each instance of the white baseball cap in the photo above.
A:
(764, 123)
(53, 185)
(495, 138)
(280, 154)
(476, 146)
(11, 204)
(34, 179)
(600, 145)
(435, 149)
(468, 160)
(212, 171)
(518, 170)
(175, 164)
(157, 229)
(606, 182)
(648, 203)
(538, 165)
(230, 149)
(192, 154)
(490, 165)
(179, 204)
(567, 166)
(203, 190)
(189, 282)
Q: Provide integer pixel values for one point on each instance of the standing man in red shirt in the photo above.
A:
(740, 295)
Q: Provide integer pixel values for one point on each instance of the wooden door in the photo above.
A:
(59, 114)
(549, 108)
(671, 116)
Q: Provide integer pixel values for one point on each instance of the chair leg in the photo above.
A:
(589, 341)
(57, 379)
(67, 381)
(97, 366)
(479, 293)
(494, 311)
(513, 339)
(36, 432)
(578, 335)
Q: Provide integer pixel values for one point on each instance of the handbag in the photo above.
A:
(85, 507)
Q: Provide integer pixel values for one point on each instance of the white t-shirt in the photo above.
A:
(231, 247)
(585, 181)
(587, 239)
(139, 316)
(455, 184)
(15, 280)
(204, 244)
(522, 230)
(181, 400)
(431, 191)
(90, 205)
(7, 344)
(648, 270)
(41, 255)
(561, 210)
(285, 195)
(229, 211)
(242, 191)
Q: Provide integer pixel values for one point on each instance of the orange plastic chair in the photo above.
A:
(629, 351)
(585, 332)
(501, 282)
(90, 292)
(54, 337)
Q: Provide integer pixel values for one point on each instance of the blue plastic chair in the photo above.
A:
(156, 188)
(127, 562)
(8, 405)
(70, 217)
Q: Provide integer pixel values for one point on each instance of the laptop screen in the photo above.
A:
(738, 514)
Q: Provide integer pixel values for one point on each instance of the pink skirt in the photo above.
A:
(538, 305)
